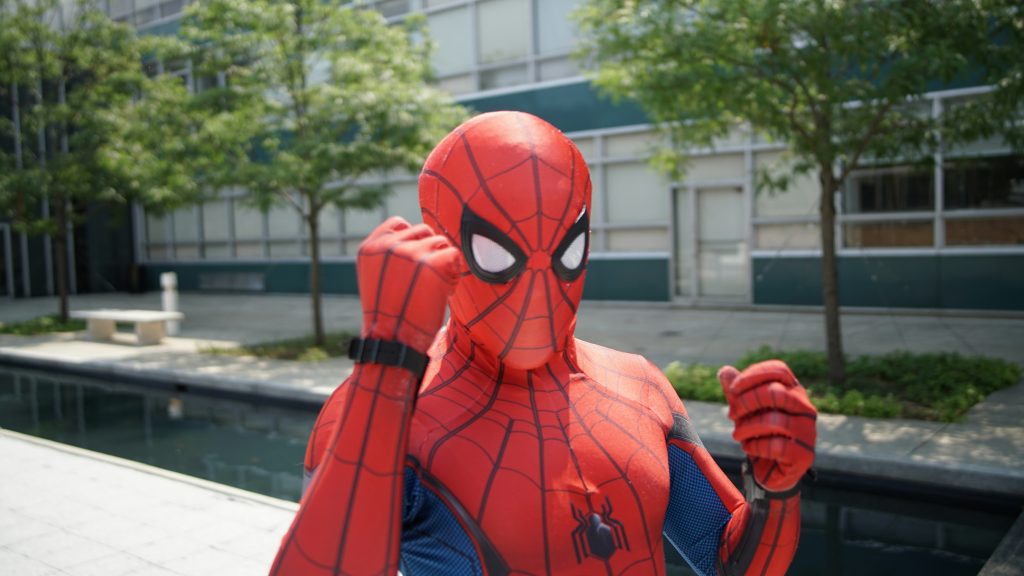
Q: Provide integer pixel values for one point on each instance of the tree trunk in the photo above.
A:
(314, 274)
(830, 276)
(60, 247)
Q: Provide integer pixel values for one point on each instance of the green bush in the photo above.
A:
(695, 381)
(41, 325)
(941, 386)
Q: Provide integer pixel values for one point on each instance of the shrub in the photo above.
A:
(941, 386)
(41, 325)
(695, 381)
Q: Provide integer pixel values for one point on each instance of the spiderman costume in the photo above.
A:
(519, 449)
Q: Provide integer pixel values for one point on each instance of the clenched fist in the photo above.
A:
(405, 274)
(775, 422)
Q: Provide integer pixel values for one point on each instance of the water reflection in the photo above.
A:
(251, 446)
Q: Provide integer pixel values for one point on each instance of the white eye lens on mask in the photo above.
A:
(573, 256)
(490, 256)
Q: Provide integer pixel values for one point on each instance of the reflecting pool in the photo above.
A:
(258, 446)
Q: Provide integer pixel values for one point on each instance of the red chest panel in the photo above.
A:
(566, 460)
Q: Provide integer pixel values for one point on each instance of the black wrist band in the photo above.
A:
(754, 490)
(388, 353)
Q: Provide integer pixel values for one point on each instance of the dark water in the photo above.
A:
(260, 447)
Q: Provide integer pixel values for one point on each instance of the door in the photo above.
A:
(721, 243)
(711, 251)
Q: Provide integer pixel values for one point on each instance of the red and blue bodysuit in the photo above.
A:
(516, 448)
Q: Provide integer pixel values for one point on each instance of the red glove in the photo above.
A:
(775, 422)
(405, 274)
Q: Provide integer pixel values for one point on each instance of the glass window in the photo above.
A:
(503, 30)
(433, 3)
(330, 249)
(597, 214)
(215, 221)
(156, 230)
(737, 136)
(788, 236)
(587, 148)
(555, 30)
(404, 201)
(329, 221)
(557, 68)
(648, 240)
(248, 222)
(451, 30)
(189, 251)
(146, 10)
(996, 182)
(172, 7)
(285, 249)
(284, 223)
(157, 252)
(718, 167)
(985, 231)
(186, 227)
(216, 251)
(359, 223)
(249, 250)
(458, 84)
(391, 8)
(890, 189)
(897, 234)
(120, 9)
(638, 144)
(636, 193)
(502, 77)
(800, 198)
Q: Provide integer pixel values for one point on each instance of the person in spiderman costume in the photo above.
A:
(501, 444)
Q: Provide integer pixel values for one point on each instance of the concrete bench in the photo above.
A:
(149, 324)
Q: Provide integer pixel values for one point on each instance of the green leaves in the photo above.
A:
(316, 93)
(77, 75)
(837, 81)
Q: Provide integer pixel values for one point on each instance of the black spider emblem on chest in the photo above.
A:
(597, 534)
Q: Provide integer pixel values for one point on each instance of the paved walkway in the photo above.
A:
(985, 452)
(71, 512)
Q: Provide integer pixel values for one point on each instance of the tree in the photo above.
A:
(314, 96)
(75, 79)
(838, 82)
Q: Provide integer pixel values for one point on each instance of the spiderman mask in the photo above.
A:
(513, 193)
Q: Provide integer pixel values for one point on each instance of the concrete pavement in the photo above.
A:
(71, 512)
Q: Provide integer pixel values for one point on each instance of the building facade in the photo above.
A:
(948, 233)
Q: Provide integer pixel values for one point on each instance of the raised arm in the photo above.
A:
(714, 527)
(349, 518)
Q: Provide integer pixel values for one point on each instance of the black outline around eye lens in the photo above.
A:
(473, 224)
(582, 226)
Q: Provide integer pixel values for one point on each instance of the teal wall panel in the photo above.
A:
(787, 281)
(894, 282)
(285, 277)
(634, 279)
(990, 282)
(994, 282)
(571, 107)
